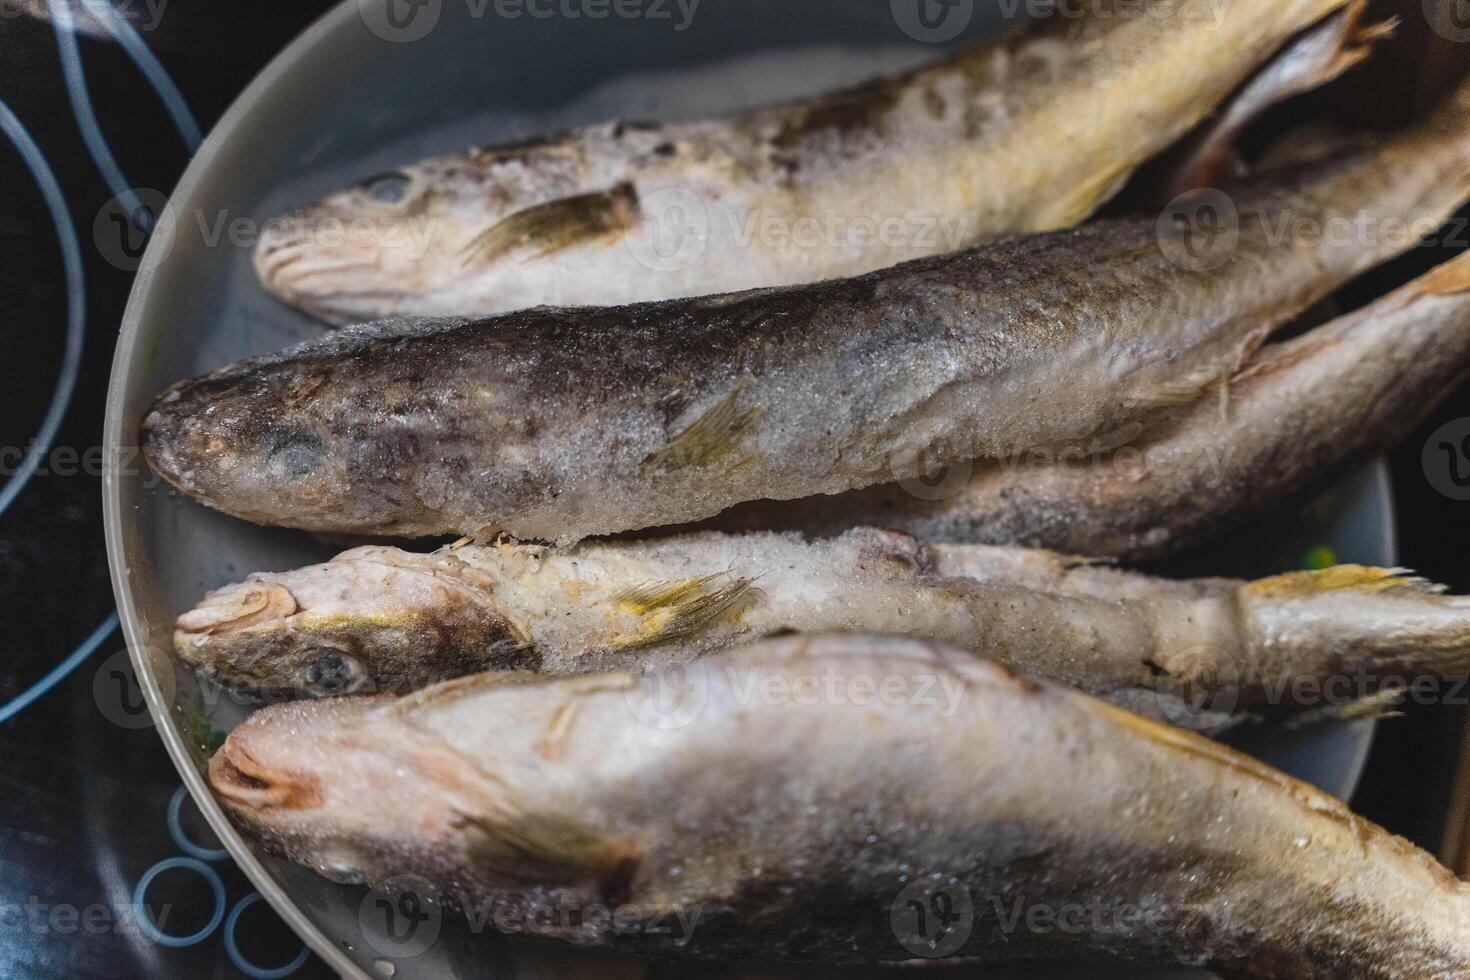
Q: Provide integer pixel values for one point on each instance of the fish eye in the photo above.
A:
(389, 189)
(293, 454)
(331, 672)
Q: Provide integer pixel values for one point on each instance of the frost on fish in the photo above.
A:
(790, 827)
(342, 628)
(559, 424)
(1028, 133)
(1205, 653)
(1297, 417)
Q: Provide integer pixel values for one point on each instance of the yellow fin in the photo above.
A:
(1378, 706)
(556, 225)
(644, 599)
(676, 610)
(1345, 578)
(708, 438)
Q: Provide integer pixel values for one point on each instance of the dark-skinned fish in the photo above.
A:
(561, 424)
(1300, 415)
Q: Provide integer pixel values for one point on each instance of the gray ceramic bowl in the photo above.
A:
(342, 103)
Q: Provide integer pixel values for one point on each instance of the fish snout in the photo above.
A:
(338, 269)
(239, 777)
(238, 607)
(169, 436)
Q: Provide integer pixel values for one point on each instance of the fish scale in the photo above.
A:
(1211, 653)
(1025, 134)
(995, 792)
(1041, 344)
(1296, 417)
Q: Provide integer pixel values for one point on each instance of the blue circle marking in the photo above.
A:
(232, 948)
(176, 831)
(76, 302)
(145, 921)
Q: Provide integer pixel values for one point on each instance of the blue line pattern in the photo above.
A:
(76, 303)
(58, 673)
(71, 253)
(168, 93)
(81, 107)
(145, 921)
(232, 947)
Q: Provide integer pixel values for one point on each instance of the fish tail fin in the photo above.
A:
(1362, 579)
(1357, 631)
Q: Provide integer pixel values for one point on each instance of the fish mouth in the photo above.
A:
(327, 284)
(243, 780)
(238, 608)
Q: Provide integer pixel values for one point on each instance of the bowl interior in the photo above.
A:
(342, 103)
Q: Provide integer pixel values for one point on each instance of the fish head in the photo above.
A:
(307, 783)
(360, 788)
(367, 251)
(373, 620)
(297, 442)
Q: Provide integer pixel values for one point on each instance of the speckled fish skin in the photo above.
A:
(557, 425)
(1028, 134)
(785, 827)
(1207, 653)
(1301, 415)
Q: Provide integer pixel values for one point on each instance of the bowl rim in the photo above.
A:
(118, 436)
